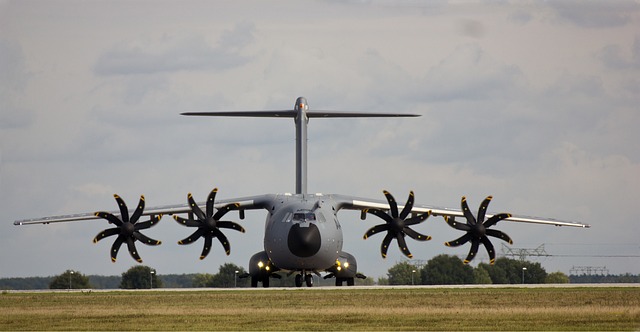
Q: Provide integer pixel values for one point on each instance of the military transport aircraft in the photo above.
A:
(302, 231)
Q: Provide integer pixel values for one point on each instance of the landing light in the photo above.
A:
(346, 264)
(260, 264)
(267, 268)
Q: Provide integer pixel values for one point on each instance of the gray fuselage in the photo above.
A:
(302, 232)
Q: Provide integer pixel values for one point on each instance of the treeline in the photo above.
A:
(604, 279)
(144, 277)
(440, 270)
(449, 270)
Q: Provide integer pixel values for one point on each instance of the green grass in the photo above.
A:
(339, 309)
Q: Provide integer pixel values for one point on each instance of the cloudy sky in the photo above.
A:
(535, 103)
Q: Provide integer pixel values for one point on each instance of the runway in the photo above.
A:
(333, 288)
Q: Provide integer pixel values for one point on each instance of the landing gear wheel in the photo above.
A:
(339, 281)
(254, 282)
(309, 280)
(298, 280)
(265, 282)
(350, 281)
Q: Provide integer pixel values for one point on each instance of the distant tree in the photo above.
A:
(557, 278)
(382, 281)
(402, 274)
(364, 282)
(510, 271)
(496, 274)
(227, 277)
(105, 282)
(202, 280)
(140, 277)
(626, 278)
(177, 280)
(70, 280)
(446, 270)
(481, 276)
(25, 283)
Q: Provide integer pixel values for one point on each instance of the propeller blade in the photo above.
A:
(459, 241)
(472, 252)
(110, 218)
(115, 247)
(187, 222)
(149, 223)
(501, 235)
(403, 245)
(471, 220)
(376, 229)
(494, 220)
(145, 239)
(490, 250)
(393, 206)
(223, 210)
(456, 225)
(106, 233)
(482, 210)
(385, 244)
(223, 240)
(195, 208)
(138, 212)
(193, 237)
(407, 207)
(415, 235)
(124, 212)
(417, 219)
(210, 200)
(207, 246)
(132, 249)
(230, 225)
(381, 214)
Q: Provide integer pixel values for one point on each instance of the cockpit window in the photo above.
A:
(304, 216)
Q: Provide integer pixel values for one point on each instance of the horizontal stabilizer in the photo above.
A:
(293, 114)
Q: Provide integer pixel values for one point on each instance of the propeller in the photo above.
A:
(478, 230)
(208, 223)
(127, 228)
(397, 225)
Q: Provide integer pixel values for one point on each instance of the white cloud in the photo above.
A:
(542, 115)
(596, 14)
(179, 53)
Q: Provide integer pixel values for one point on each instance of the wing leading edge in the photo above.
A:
(243, 203)
(355, 203)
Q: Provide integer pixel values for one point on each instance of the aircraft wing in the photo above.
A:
(355, 203)
(244, 203)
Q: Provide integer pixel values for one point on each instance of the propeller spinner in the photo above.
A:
(478, 230)
(208, 223)
(397, 225)
(127, 228)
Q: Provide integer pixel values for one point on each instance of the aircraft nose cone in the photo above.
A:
(304, 241)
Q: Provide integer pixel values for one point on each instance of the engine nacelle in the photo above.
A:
(345, 269)
(261, 269)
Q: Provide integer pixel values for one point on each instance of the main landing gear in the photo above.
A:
(308, 279)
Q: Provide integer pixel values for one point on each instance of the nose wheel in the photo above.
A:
(308, 279)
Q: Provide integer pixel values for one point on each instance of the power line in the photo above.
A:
(598, 256)
(523, 253)
(589, 270)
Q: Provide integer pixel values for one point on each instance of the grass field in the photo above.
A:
(321, 309)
